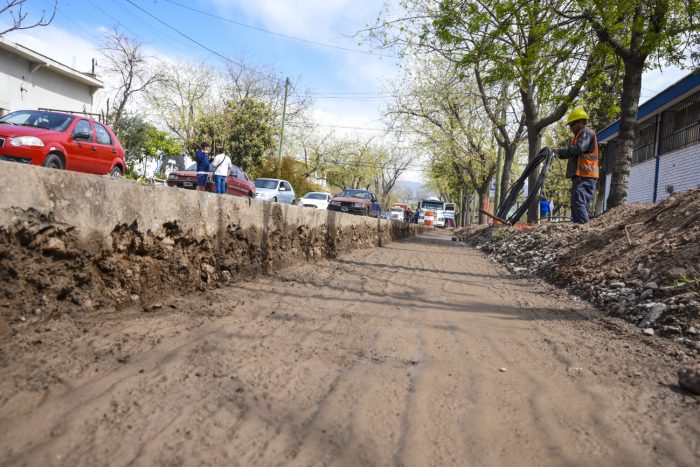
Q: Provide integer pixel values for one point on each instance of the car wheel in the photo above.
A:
(294, 202)
(274, 200)
(52, 161)
(116, 172)
(251, 195)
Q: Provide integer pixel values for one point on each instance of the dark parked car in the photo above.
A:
(360, 202)
(237, 182)
(60, 141)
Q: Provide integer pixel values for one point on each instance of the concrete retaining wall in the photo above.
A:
(74, 239)
(96, 204)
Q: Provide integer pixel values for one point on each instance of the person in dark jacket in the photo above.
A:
(202, 159)
(582, 167)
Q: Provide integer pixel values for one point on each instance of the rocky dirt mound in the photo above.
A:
(638, 262)
(47, 269)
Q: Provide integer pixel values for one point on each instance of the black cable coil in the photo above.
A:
(545, 157)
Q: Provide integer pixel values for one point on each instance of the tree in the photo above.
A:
(437, 102)
(392, 163)
(182, 98)
(526, 43)
(521, 42)
(129, 66)
(252, 133)
(18, 16)
(642, 33)
(143, 140)
(292, 170)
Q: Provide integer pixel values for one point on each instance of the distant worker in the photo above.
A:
(201, 157)
(582, 167)
(220, 166)
(544, 207)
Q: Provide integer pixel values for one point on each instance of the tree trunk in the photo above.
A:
(467, 201)
(631, 89)
(534, 139)
(483, 204)
(508, 158)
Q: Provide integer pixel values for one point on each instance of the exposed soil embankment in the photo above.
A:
(47, 268)
(639, 262)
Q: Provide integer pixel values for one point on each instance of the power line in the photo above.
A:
(286, 36)
(210, 50)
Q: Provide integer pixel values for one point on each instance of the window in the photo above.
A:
(681, 125)
(288, 186)
(103, 136)
(83, 126)
(644, 141)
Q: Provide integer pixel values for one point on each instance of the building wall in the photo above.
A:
(44, 88)
(641, 182)
(680, 169)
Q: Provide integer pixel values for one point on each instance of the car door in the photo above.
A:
(375, 208)
(106, 151)
(289, 194)
(81, 148)
(234, 182)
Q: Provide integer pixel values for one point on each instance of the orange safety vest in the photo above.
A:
(587, 164)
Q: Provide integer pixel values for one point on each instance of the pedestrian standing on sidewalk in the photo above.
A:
(221, 166)
(582, 167)
(201, 157)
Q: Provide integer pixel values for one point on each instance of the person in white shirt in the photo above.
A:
(220, 166)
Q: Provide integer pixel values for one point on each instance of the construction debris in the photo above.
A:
(640, 262)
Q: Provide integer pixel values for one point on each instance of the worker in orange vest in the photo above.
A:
(583, 167)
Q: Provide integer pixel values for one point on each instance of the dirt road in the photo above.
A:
(419, 353)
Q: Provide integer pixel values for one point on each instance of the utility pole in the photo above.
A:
(284, 112)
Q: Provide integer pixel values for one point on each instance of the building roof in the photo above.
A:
(658, 103)
(38, 60)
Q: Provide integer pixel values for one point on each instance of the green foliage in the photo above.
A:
(244, 129)
(252, 132)
(292, 170)
(142, 139)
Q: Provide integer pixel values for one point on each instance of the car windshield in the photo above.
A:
(354, 194)
(191, 168)
(315, 196)
(39, 119)
(264, 183)
(433, 205)
(396, 209)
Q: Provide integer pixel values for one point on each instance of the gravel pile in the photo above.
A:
(638, 262)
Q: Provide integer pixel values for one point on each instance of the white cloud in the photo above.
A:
(655, 81)
(319, 20)
(60, 45)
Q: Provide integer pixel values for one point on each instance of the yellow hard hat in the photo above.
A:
(577, 114)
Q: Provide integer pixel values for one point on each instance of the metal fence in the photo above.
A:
(680, 125)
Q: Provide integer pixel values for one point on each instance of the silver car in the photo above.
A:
(275, 190)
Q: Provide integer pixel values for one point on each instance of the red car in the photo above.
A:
(60, 141)
(237, 182)
(361, 202)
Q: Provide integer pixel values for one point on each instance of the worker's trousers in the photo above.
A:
(582, 191)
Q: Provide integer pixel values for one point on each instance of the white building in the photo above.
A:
(30, 80)
(666, 156)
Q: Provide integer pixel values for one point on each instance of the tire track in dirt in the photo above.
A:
(381, 357)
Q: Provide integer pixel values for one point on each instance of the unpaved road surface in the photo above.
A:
(419, 353)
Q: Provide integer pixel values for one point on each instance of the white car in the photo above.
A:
(315, 199)
(277, 191)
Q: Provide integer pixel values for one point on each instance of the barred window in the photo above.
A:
(644, 141)
(681, 125)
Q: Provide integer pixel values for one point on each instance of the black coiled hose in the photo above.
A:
(544, 157)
